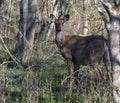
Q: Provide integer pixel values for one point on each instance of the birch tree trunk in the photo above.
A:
(113, 28)
(85, 25)
(54, 11)
(24, 46)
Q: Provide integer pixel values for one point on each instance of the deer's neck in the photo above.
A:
(60, 38)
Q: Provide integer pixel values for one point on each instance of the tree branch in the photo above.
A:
(102, 15)
(106, 5)
(116, 2)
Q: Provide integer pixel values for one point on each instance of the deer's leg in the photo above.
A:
(108, 68)
(107, 62)
(66, 53)
(70, 73)
(95, 65)
(98, 71)
(76, 71)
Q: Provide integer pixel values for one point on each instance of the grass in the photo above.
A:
(41, 82)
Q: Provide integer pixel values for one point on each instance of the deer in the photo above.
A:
(81, 50)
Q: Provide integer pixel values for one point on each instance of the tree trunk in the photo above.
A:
(85, 24)
(24, 47)
(114, 36)
(113, 28)
(54, 11)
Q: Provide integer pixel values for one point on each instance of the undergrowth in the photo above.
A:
(41, 81)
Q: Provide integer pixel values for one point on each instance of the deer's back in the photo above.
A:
(84, 49)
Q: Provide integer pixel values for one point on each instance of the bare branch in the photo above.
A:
(8, 52)
(106, 5)
(102, 14)
(116, 2)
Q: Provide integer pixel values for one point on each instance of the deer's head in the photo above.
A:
(59, 22)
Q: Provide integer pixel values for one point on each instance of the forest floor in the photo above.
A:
(45, 80)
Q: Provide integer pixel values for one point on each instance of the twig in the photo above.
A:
(7, 50)
(68, 77)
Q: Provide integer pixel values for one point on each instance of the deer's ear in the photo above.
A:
(66, 17)
(52, 17)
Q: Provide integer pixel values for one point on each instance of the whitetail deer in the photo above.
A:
(82, 50)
